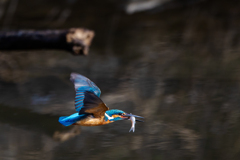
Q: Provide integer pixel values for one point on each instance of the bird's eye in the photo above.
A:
(120, 114)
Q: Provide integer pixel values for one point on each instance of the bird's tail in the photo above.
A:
(69, 120)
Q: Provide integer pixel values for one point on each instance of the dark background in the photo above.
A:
(175, 63)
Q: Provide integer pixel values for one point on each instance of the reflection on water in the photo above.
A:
(179, 69)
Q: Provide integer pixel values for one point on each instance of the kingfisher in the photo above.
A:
(91, 111)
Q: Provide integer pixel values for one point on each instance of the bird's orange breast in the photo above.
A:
(90, 121)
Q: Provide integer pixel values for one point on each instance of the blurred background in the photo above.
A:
(174, 62)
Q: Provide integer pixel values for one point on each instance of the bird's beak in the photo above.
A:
(127, 116)
(139, 120)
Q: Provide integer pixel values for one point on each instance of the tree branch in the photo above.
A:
(74, 40)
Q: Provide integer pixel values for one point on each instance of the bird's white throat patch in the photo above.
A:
(110, 118)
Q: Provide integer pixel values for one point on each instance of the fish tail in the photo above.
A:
(132, 129)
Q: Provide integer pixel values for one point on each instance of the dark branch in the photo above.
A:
(75, 40)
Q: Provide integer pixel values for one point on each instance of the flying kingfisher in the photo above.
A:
(91, 111)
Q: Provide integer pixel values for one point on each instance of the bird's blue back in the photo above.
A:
(69, 120)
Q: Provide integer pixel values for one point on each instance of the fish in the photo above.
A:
(133, 120)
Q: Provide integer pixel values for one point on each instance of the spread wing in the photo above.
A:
(83, 86)
(83, 83)
(93, 105)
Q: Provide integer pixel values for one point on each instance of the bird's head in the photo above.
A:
(116, 115)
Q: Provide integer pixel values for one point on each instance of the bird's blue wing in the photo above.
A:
(83, 84)
(81, 81)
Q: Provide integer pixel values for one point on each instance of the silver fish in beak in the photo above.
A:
(133, 120)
